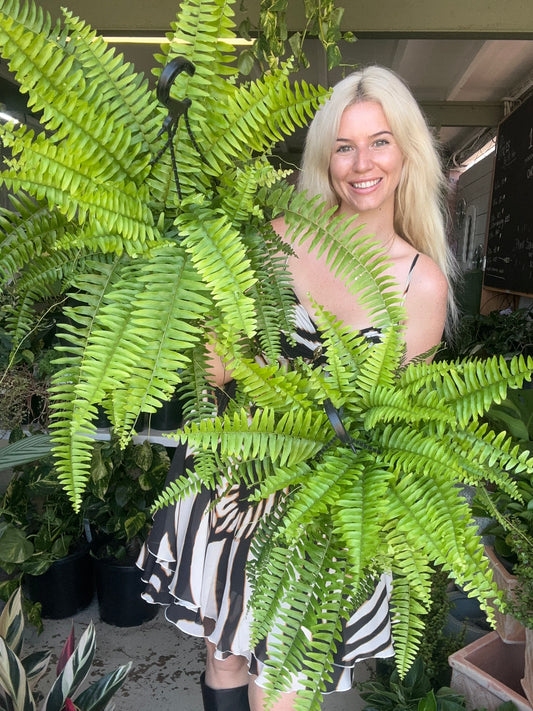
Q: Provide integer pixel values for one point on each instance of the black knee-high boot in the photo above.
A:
(224, 699)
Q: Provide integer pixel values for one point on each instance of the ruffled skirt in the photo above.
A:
(194, 564)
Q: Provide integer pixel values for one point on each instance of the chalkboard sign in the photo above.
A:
(509, 250)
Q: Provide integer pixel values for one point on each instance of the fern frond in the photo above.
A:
(470, 386)
(314, 498)
(352, 257)
(382, 361)
(272, 293)
(309, 625)
(56, 87)
(391, 405)
(30, 228)
(113, 84)
(359, 512)
(190, 483)
(202, 34)
(83, 381)
(167, 285)
(271, 386)
(346, 351)
(494, 454)
(218, 254)
(52, 172)
(281, 479)
(259, 116)
(242, 192)
(296, 437)
(408, 629)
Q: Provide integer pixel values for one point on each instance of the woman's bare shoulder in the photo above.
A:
(427, 278)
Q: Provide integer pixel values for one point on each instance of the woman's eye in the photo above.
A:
(380, 143)
(344, 148)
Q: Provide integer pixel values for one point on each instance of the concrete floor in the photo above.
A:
(166, 663)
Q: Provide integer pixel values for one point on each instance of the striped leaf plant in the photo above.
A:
(19, 675)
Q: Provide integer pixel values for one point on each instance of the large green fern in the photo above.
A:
(386, 499)
(152, 267)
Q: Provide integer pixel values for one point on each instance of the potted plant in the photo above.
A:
(42, 541)
(163, 240)
(414, 692)
(122, 488)
(19, 675)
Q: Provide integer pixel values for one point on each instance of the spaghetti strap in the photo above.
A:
(410, 274)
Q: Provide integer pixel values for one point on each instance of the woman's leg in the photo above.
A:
(228, 686)
(257, 699)
(225, 673)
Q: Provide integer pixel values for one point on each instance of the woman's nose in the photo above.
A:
(362, 159)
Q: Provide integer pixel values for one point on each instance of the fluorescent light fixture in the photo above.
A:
(7, 117)
(162, 39)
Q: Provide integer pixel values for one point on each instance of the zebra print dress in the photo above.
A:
(194, 564)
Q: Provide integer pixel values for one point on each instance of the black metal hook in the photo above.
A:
(176, 108)
(335, 420)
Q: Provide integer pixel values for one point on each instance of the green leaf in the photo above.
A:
(14, 544)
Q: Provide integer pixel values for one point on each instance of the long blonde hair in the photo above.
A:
(420, 202)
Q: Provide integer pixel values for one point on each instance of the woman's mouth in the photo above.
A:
(365, 184)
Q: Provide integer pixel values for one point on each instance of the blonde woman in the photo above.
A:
(370, 153)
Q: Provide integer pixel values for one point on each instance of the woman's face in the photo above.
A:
(366, 163)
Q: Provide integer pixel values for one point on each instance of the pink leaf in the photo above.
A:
(69, 705)
(65, 655)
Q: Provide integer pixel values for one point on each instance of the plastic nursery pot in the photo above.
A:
(169, 416)
(67, 587)
(119, 587)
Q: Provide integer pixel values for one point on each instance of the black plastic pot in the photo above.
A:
(66, 587)
(169, 416)
(119, 589)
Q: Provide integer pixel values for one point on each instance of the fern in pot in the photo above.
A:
(161, 241)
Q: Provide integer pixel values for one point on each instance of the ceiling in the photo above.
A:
(466, 61)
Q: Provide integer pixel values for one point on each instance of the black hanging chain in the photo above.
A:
(176, 109)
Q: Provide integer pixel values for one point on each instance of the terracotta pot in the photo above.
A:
(488, 673)
(527, 681)
(510, 629)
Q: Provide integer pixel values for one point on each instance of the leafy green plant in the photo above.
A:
(506, 333)
(123, 485)
(111, 224)
(275, 40)
(413, 693)
(19, 675)
(37, 522)
(381, 497)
